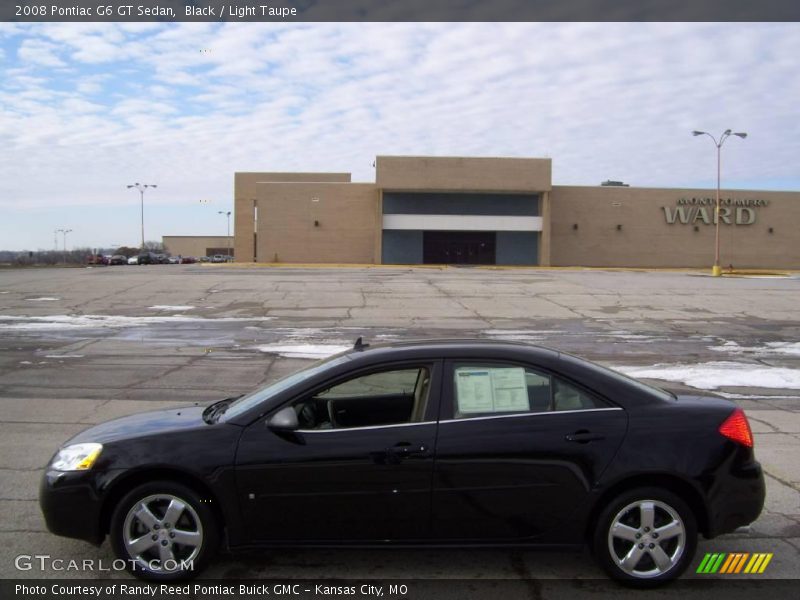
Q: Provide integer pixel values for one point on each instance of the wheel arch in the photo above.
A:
(671, 483)
(126, 483)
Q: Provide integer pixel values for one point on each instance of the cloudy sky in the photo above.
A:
(87, 108)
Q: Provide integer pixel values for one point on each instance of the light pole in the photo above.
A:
(716, 271)
(142, 187)
(65, 232)
(228, 215)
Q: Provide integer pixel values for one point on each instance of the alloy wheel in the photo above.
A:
(647, 538)
(162, 532)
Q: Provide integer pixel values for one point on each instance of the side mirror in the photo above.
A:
(284, 420)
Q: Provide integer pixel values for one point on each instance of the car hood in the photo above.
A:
(143, 424)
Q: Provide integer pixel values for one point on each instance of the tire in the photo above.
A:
(164, 531)
(654, 529)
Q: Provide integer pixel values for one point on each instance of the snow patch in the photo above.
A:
(67, 322)
(730, 396)
(43, 299)
(770, 348)
(517, 335)
(303, 350)
(63, 355)
(714, 375)
(169, 307)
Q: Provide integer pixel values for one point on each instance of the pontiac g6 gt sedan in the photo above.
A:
(450, 443)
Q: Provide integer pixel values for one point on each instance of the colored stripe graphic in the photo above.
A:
(734, 563)
(741, 562)
(729, 564)
(732, 558)
(711, 562)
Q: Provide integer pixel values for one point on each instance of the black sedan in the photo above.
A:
(450, 443)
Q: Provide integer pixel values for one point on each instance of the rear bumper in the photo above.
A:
(736, 499)
(70, 505)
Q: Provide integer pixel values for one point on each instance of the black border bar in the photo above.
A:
(300, 11)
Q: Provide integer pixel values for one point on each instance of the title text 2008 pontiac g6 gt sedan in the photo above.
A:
(456, 443)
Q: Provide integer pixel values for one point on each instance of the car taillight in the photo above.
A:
(736, 428)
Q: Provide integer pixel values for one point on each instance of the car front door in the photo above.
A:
(358, 469)
(518, 450)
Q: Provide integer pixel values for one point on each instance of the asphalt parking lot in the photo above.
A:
(79, 346)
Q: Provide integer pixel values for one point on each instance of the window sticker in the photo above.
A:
(491, 390)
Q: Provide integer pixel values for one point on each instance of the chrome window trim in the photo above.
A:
(466, 419)
(463, 420)
(341, 429)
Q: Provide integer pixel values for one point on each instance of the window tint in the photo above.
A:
(567, 397)
(383, 398)
(389, 382)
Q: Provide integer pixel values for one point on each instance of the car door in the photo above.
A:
(517, 452)
(358, 469)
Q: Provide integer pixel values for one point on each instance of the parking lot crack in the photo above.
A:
(533, 585)
(456, 300)
(560, 305)
(765, 424)
(788, 484)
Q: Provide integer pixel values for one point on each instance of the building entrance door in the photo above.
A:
(459, 247)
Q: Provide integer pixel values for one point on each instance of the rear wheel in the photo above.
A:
(645, 537)
(164, 531)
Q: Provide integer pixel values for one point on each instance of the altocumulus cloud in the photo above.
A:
(85, 107)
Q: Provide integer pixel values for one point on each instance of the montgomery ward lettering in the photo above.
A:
(732, 211)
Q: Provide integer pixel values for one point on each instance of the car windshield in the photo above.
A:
(247, 402)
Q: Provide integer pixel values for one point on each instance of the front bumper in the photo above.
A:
(71, 505)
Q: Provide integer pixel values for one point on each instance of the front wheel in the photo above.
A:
(164, 531)
(645, 537)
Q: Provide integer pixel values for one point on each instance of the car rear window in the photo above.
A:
(622, 378)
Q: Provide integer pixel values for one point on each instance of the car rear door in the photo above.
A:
(359, 469)
(518, 450)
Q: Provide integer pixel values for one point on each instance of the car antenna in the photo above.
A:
(360, 345)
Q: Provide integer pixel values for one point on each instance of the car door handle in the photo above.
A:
(404, 450)
(584, 437)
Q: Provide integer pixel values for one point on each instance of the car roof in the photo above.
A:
(369, 352)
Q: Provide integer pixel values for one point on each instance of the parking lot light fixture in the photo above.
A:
(716, 271)
(65, 232)
(142, 187)
(228, 215)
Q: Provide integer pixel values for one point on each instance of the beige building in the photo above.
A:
(198, 245)
(505, 211)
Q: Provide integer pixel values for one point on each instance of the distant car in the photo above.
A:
(133, 260)
(174, 260)
(188, 260)
(446, 443)
(204, 259)
(96, 259)
(118, 259)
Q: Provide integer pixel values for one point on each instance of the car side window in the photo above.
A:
(482, 390)
(380, 398)
(497, 389)
(568, 397)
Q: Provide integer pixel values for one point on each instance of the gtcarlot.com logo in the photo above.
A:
(44, 562)
(734, 563)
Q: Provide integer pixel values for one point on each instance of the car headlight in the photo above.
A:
(77, 457)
